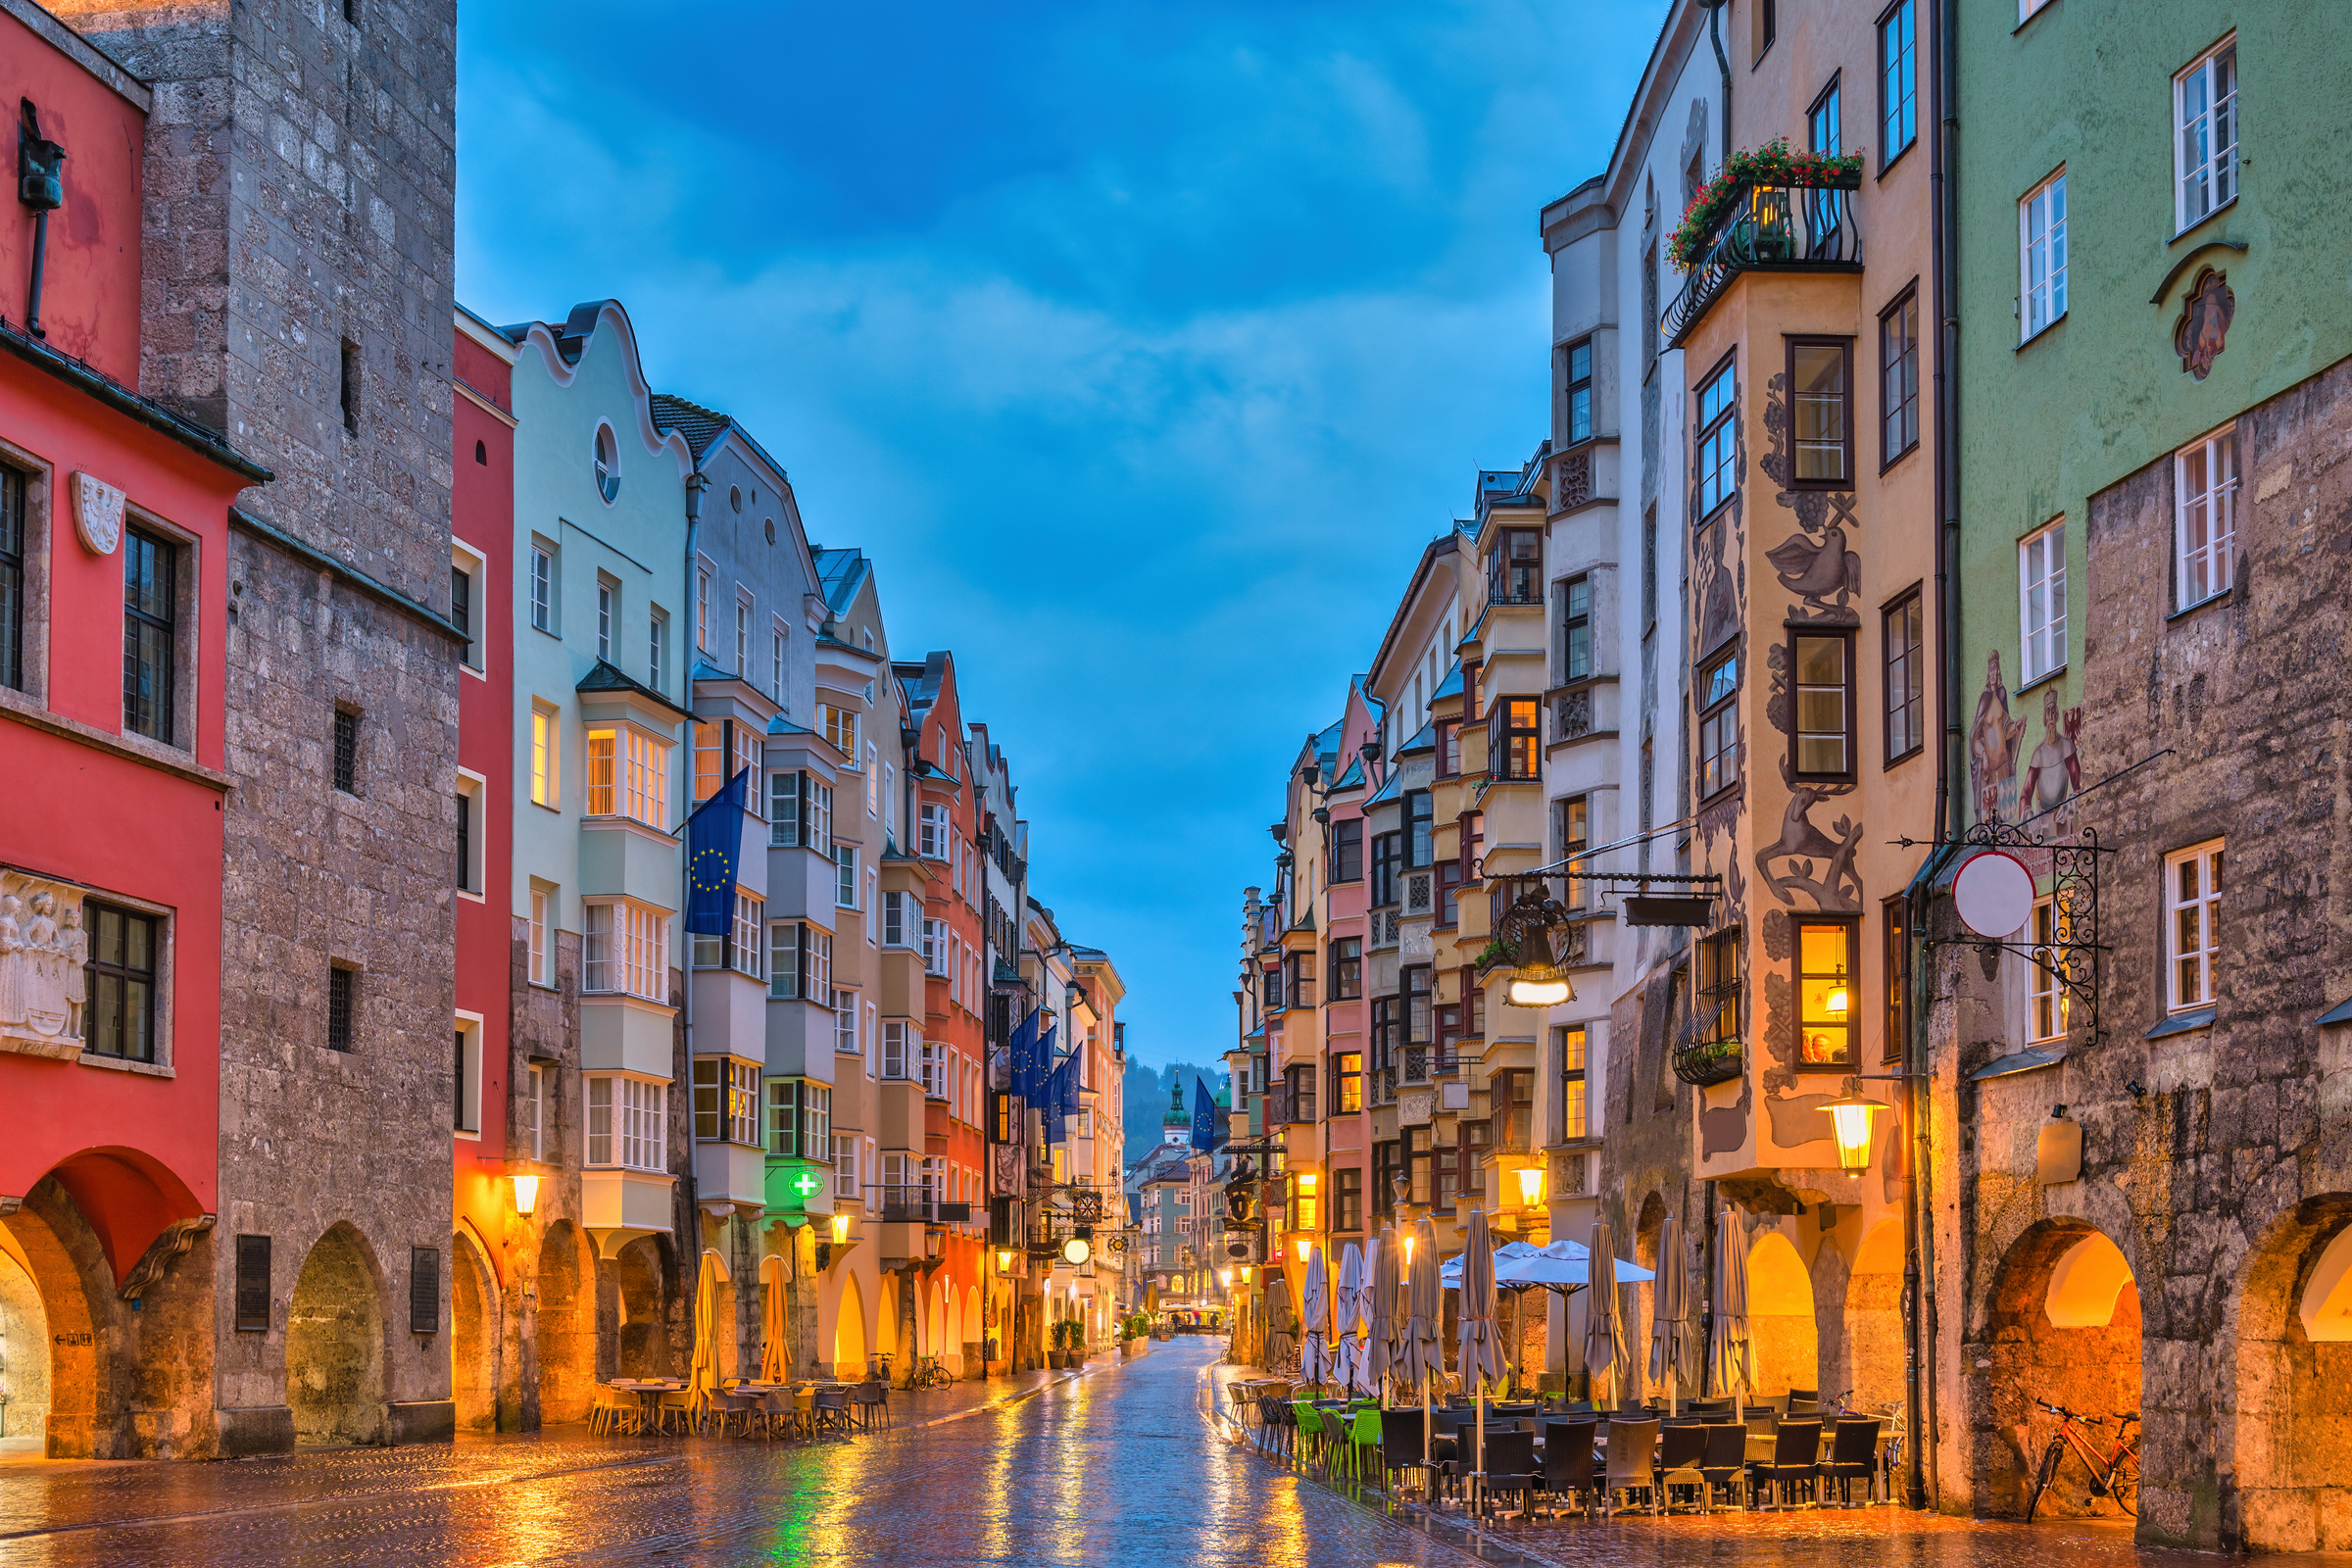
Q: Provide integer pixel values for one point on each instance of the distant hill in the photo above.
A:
(1145, 1092)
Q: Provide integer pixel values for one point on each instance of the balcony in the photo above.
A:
(1701, 1062)
(1769, 228)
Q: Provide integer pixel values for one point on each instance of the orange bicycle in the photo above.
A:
(2114, 1473)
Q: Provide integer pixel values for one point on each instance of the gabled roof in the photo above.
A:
(605, 678)
(700, 427)
(1352, 779)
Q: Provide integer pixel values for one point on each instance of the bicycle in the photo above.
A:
(929, 1374)
(2114, 1474)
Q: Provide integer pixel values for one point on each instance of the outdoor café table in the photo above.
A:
(649, 1391)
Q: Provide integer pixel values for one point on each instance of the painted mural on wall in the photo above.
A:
(2007, 781)
(2203, 329)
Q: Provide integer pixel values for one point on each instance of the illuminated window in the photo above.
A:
(1826, 983)
(544, 738)
(628, 776)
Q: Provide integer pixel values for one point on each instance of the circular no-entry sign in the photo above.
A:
(1993, 893)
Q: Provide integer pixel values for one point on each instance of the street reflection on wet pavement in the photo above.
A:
(1115, 1467)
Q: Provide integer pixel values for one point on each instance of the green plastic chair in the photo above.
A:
(1311, 1432)
(1363, 1440)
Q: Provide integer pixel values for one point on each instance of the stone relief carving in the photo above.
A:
(97, 514)
(2203, 329)
(1573, 486)
(42, 984)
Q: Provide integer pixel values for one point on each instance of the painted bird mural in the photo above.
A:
(1815, 569)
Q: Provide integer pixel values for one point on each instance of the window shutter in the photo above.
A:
(253, 1283)
(424, 1290)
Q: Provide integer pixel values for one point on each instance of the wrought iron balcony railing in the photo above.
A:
(1776, 228)
(1708, 1061)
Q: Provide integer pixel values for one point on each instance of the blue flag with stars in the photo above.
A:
(713, 842)
(1055, 1090)
(1024, 1056)
(1205, 1118)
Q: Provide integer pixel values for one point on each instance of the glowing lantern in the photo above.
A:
(527, 1194)
(1530, 1184)
(1850, 1123)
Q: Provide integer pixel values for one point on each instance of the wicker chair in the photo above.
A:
(1682, 1449)
(1632, 1447)
(1568, 1468)
(1795, 1459)
(1853, 1456)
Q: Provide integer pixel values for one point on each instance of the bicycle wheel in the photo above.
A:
(2045, 1475)
(2123, 1483)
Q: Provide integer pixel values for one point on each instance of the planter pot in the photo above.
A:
(1058, 1360)
(1129, 1350)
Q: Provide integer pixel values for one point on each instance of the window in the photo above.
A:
(1766, 20)
(845, 1023)
(726, 1100)
(1302, 1090)
(1898, 377)
(2026, 8)
(534, 1112)
(1450, 747)
(703, 574)
(1897, 975)
(1387, 857)
(1572, 822)
(1823, 131)
(845, 1168)
(1821, 386)
(461, 595)
(608, 465)
(342, 1006)
(12, 579)
(119, 982)
(1901, 636)
(348, 392)
(1511, 1097)
(1825, 706)
(1413, 982)
(894, 1048)
(1568, 1045)
(2193, 897)
(624, 948)
(1579, 367)
(542, 970)
(2045, 993)
(1515, 572)
(253, 1283)
(845, 876)
(2205, 156)
(150, 605)
(1417, 823)
(543, 755)
(543, 588)
(775, 669)
(1718, 441)
(347, 750)
(1576, 628)
(1516, 746)
(799, 961)
(935, 946)
(628, 776)
(1348, 1199)
(1348, 850)
(469, 873)
(894, 919)
(608, 596)
(839, 726)
(743, 937)
(873, 783)
(1385, 1015)
(1898, 81)
(657, 635)
(743, 638)
(465, 1110)
(2041, 602)
(2205, 511)
(1826, 979)
(625, 1123)
(1718, 726)
(932, 832)
(1717, 1017)
(1271, 992)
(1299, 979)
(2042, 255)
(1348, 968)
(800, 810)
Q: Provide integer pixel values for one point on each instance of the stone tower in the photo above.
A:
(300, 182)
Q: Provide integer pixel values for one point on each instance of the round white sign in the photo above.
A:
(1993, 893)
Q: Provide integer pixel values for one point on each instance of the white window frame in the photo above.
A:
(845, 876)
(469, 1084)
(2210, 569)
(874, 781)
(543, 587)
(542, 958)
(845, 1166)
(894, 918)
(627, 1115)
(2205, 136)
(625, 950)
(2047, 998)
(547, 756)
(743, 636)
(808, 975)
(704, 572)
(607, 611)
(534, 1112)
(895, 1034)
(778, 657)
(935, 946)
(656, 638)
(2041, 603)
(2042, 233)
(933, 832)
(2192, 941)
(845, 1023)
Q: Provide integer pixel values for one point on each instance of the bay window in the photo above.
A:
(625, 1123)
(800, 810)
(800, 1119)
(1515, 744)
(1515, 572)
(1827, 979)
(628, 776)
(799, 961)
(624, 948)
(1346, 968)
(1821, 390)
(1346, 1082)
(726, 1100)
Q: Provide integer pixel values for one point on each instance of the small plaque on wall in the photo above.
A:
(2058, 1154)
(97, 514)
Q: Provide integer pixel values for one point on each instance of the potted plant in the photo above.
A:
(1133, 1336)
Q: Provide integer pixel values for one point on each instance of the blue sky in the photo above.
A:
(1142, 345)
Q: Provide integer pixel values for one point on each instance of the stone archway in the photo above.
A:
(475, 1337)
(641, 1282)
(849, 1331)
(949, 1346)
(26, 1352)
(335, 1343)
(566, 1326)
(2061, 1326)
(2292, 1440)
(1870, 1358)
(1779, 1317)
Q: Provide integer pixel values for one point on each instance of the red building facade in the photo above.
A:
(115, 603)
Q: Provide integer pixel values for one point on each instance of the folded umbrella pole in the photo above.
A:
(1481, 1344)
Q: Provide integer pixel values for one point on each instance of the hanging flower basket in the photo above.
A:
(1773, 164)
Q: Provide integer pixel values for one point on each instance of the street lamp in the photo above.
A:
(1304, 1244)
(1539, 983)
(527, 1194)
(1004, 1260)
(1225, 1278)
(841, 1229)
(1850, 1123)
(1530, 1184)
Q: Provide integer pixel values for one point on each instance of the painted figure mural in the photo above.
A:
(1993, 741)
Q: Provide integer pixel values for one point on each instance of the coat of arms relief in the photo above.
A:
(42, 983)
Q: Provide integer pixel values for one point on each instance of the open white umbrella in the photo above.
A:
(1380, 1314)
(1669, 1353)
(1350, 1361)
(1315, 1340)
(1481, 1344)
(1604, 1330)
(1730, 1352)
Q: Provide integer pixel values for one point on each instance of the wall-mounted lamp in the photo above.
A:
(527, 1194)
(1307, 1181)
(1244, 1274)
(841, 1227)
(1304, 1246)
(1530, 1184)
(1850, 1122)
(1004, 1260)
(1538, 982)
(1225, 1278)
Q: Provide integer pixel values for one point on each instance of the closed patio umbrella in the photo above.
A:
(702, 1377)
(1669, 1353)
(1315, 1340)
(1282, 1332)
(776, 1361)
(1423, 1310)
(1730, 1352)
(1352, 1292)
(1481, 1344)
(1604, 1329)
(1380, 1311)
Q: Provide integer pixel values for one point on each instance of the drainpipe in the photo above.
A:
(1723, 64)
(696, 484)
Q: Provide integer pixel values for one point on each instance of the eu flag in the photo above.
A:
(1024, 1058)
(1205, 1118)
(713, 842)
(1055, 1090)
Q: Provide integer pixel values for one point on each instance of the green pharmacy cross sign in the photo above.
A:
(808, 1184)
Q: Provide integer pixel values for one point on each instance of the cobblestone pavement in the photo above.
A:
(1113, 1467)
